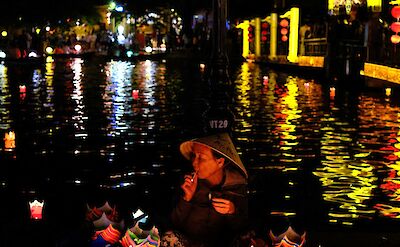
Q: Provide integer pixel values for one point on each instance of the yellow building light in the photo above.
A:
(245, 27)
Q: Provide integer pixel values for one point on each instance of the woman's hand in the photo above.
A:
(189, 187)
(223, 206)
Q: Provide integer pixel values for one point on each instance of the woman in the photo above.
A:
(213, 207)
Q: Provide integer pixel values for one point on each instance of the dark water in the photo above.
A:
(323, 154)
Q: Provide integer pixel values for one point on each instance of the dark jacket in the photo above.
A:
(199, 221)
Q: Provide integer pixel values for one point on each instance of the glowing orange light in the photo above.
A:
(395, 39)
(332, 92)
(284, 31)
(284, 38)
(284, 23)
(36, 208)
(9, 140)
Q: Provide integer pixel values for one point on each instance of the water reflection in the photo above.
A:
(298, 137)
(79, 117)
(5, 118)
(117, 96)
(382, 144)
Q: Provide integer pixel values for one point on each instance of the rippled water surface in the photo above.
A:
(317, 151)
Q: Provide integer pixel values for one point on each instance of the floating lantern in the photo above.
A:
(396, 12)
(36, 208)
(4, 33)
(284, 31)
(332, 92)
(22, 92)
(265, 80)
(284, 38)
(22, 89)
(135, 94)
(395, 39)
(9, 140)
(78, 47)
(202, 66)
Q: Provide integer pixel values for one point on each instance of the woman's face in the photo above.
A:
(204, 162)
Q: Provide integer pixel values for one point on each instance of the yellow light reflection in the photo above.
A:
(290, 114)
(5, 118)
(348, 181)
(243, 90)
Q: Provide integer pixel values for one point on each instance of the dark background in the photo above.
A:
(52, 10)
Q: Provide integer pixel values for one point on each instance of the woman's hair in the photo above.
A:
(218, 155)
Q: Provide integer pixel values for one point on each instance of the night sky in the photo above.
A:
(42, 10)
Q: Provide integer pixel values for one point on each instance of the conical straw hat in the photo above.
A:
(220, 143)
